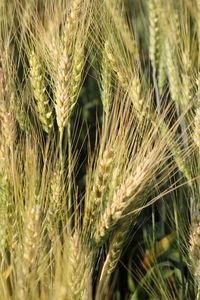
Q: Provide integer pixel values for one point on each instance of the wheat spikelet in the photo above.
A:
(186, 80)
(154, 36)
(196, 135)
(177, 28)
(173, 73)
(78, 278)
(115, 251)
(126, 193)
(176, 151)
(99, 188)
(20, 112)
(112, 258)
(121, 25)
(106, 95)
(162, 76)
(115, 65)
(114, 211)
(102, 176)
(27, 266)
(31, 240)
(135, 95)
(8, 126)
(12, 222)
(2, 85)
(55, 205)
(37, 81)
(9, 195)
(76, 271)
(8, 134)
(130, 82)
(76, 74)
(63, 94)
(71, 25)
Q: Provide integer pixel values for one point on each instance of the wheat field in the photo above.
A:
(99, 149)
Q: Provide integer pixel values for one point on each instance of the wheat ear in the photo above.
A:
(31, 240)
(112, 258)
(115, 210)
(186, 80)
(8, 126)
(77, 267)
(154, 35)
(62, 105)
(122, 26)
(106, 95)
(162, 72)
(173, 73)
(45, 110)
(130, 82)
(95, 201)
(55, 202)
